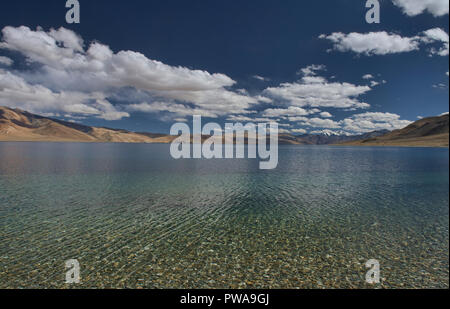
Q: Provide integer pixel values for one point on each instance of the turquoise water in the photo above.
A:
(135, 218)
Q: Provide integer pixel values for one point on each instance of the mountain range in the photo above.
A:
(427, 132)
(19, 125)
(326, 138)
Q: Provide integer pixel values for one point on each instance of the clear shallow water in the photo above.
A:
(134, 217)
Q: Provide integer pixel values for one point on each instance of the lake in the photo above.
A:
(136, 218)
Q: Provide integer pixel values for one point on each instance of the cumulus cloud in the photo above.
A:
(241, 118)
(325, 115)
(286, 112)
(321, 123)
(299, 131)
(66, 66)
(108, 111)
(263, 99)
(372, 43)
(384, 43)
(77, 79)
(6, 61)
(62, 50)
(368, 76)
(312, 69)
(437, 35)
(315, 91)
(330, 132)
(337, 95)
(356, 124)
(16, 92)
(170, 107)
(367, 122)
(416, 7)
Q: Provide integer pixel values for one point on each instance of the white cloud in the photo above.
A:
(263, 99)
(416, 7)
(325, 115)
(313, 80)
(297, 118)
(240, 118)
(383, 43)
(437, 35)
(261, 78)
(286, 125)
(81, 80)
(67, 67)
(373, 83)
(315, 91)
(373, 43)
(320, 93)
(291, 111)
(170, 107)
(109, 112)
(69, 38)
(283, 131)
(299, 131)
(16, 92)
(123, 69)
(320, 123)
(368, 122)
(312, 69)
(6, 61)
(440, 86)
(356, 124)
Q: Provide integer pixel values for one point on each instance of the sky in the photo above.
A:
(311, 66)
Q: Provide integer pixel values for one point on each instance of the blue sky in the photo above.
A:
(145, 65)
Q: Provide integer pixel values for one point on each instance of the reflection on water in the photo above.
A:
(134, 217)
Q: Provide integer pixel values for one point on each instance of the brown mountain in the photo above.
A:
(18, 125)
(428, 132)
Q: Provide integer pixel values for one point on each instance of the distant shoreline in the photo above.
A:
(20, 126)
(161, 143)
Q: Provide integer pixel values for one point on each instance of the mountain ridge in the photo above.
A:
(22, 126)
(19, 125)
(427, 132)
